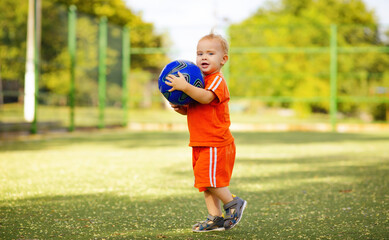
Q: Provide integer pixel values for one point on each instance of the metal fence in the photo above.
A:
(330, 51)
(100, 79)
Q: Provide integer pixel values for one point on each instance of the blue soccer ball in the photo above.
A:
(192, 75)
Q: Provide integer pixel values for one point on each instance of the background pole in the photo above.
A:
(125, 72)
(333, 76)
(37, 33)
(102, 69)
(72, 52)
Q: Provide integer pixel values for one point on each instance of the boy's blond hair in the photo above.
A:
(220, 38)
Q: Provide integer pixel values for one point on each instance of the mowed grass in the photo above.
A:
(139, 185)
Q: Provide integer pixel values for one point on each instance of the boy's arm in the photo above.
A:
(201, 95)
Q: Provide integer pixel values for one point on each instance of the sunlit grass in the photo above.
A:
(139, 185)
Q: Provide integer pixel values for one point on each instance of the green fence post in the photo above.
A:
(126, 59)
(333, 76)
(72, 53)
(102, 69)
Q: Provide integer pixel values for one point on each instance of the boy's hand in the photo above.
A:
(177, 83)
(200, 95)
(179, 108)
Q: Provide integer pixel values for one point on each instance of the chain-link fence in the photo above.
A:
(91, 76)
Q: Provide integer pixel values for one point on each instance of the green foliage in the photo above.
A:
(142, 34)
(55, 60)
(13, 33)
(138, 80)
(290, 24)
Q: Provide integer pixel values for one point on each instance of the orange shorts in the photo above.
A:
(212, 166)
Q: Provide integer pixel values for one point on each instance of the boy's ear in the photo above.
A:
(225, 59)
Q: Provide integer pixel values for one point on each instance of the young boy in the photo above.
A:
(213, 147)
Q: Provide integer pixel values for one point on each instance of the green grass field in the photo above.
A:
(139, 185)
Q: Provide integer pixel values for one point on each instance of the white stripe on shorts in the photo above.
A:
(212, 166)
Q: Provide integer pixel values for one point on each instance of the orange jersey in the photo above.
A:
(209, 124)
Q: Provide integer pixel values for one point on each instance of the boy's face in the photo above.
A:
(210, 56)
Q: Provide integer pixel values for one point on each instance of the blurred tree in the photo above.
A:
(13, 31)
(55, 60)
(306, 23)
(89, 12)
(142, 34)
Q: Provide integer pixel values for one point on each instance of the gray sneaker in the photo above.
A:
(213, 223)
(234, 212)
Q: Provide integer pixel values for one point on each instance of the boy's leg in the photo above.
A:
(222, 193)
(213, 203)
